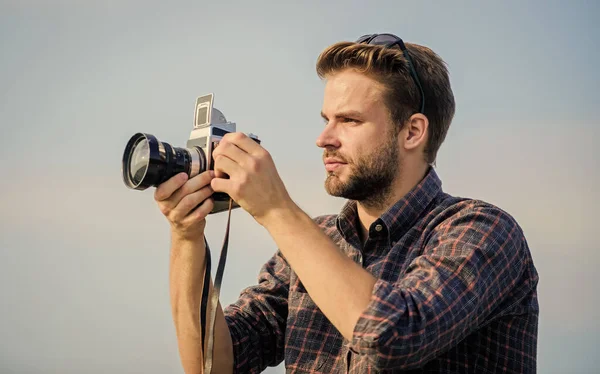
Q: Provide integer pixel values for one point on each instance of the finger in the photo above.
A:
(222, 185)
(189, 202)
(220, 174)
(201, 211)
(244, 142)
(224, 164)
(231, 151)
(196, 183)
(166, 189)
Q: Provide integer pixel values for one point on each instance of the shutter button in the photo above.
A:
(378, 228)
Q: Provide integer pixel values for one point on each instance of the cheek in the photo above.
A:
(359, 144)
(363, 152)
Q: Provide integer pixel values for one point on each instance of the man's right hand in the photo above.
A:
(186, 203)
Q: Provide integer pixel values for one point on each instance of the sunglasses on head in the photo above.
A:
(389, 41)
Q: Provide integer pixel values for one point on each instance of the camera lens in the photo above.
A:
(148, 162)
(138, 164)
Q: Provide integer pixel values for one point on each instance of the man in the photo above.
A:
(406, 278)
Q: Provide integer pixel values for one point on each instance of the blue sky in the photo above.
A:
(84, 261)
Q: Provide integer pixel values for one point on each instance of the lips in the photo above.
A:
(332, 164)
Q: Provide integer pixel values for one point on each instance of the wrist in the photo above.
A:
(289, 212)
(187, 235)
(184, 243)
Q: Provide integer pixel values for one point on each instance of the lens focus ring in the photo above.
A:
(195, 164)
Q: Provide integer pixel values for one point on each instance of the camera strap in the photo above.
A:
(208, 330)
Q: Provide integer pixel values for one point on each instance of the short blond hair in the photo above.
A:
(389, 67)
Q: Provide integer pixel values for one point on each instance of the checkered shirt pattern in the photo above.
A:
(456, 292)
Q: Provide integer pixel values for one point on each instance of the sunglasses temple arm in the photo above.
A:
(414, 73)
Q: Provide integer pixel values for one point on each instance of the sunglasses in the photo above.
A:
(389, 41)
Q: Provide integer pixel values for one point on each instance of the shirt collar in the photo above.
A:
(398, 218)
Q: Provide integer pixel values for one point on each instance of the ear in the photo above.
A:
(415, 132)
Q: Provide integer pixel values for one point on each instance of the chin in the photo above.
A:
(333, 185)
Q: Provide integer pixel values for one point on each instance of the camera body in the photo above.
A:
(149, 162)
(210, 126)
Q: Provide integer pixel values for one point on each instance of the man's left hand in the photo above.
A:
(254, 182)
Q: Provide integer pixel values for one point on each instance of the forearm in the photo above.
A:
(187, 264)
(341, 288)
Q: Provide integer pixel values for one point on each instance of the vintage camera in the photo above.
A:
(148, 162)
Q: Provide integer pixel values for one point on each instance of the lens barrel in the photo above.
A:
(148, 162)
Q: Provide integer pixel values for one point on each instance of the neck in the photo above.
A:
(369, 211)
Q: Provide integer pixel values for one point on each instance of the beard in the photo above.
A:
(371, 176)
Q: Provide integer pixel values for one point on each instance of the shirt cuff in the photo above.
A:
(239, 342)
(374, 321)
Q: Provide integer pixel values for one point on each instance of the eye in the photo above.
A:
(349, 120)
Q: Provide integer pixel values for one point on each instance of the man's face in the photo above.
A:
(361, 150)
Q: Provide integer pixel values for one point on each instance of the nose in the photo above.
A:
(328, 138)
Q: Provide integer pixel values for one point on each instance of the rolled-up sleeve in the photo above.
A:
(468, 267)
(257, 319)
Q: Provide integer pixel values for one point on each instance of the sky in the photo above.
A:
(84, 260)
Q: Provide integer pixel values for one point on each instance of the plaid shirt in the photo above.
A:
(455, 293)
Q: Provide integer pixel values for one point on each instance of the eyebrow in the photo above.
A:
(346, 114)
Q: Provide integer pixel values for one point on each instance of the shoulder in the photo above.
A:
(485, 236)
(452, 210)
(477, 222)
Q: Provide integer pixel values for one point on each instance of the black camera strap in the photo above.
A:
(209, 330)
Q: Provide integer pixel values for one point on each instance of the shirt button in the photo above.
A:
(378, 228)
